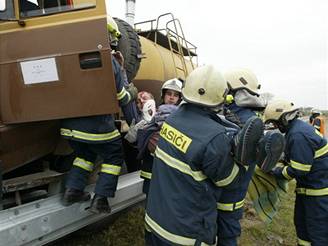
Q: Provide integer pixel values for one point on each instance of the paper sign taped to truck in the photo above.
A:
(39, 71)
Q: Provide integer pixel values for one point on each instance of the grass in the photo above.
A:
(280, 232)
(127, 230)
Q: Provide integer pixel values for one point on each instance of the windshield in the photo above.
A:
(30, 8)
(7, 10)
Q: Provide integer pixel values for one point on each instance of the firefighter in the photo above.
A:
(317, 121)
(192, 163)
(306, 154)
(170, 95)
(245, 102)
(94, 136)
(171, 91)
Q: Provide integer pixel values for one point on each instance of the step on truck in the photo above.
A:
(55, 63)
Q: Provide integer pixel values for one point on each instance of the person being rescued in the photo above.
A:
(146, 132)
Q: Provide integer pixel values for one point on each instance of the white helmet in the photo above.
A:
(205, 86)
(113, 30)
(278, 108)
(242, 78)
(171, 84)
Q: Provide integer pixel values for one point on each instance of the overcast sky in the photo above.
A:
(285, 42)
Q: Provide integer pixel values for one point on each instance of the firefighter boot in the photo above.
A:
(73, 195)
(270, 149)
(99, 204)
(245, 142)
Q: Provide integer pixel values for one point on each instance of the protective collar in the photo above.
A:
(244, 99)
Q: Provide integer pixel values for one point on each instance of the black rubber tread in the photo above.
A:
(274, 149)
(129, 45)
(249, 138)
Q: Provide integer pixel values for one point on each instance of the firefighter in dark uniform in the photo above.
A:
(192, 163)
(244, 88)
(94, 136)
(307, 157)
(170, 95)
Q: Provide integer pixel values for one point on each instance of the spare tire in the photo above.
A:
(130, 47)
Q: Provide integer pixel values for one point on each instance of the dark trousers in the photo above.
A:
(228, 222)
(229, 228)
(130, 157)
(145, 186)
(311, 219)
(111, 153)
(152, 240)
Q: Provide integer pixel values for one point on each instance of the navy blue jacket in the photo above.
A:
(307, 155)
(241, 113)
(99, 128)
(237, 194)
(192, 162)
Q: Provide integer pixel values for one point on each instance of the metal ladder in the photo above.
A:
(176, 34)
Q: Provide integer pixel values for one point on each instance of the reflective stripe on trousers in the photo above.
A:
(312, 192)
(110, 169)
(81, 163)
(230, 206)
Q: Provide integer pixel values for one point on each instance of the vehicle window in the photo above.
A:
(7, 10)
(30, 8)
(2, 5)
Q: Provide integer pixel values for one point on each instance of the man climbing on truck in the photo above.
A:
(97, 136)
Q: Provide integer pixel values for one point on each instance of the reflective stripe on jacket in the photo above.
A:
(307, 153)
(233, 198)
(99, 128)
(191, 162)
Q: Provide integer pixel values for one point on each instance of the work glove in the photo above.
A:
(131, 136)
(133, 91)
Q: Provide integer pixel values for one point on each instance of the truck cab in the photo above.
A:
(55, 63)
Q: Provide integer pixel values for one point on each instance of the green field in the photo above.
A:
(127, 229)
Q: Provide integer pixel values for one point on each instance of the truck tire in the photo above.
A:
(130, 47)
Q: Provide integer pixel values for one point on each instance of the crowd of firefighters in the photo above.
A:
(199, 150)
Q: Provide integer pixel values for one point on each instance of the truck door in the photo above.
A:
(55, 60)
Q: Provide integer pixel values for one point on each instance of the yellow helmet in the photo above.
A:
(113, 30)
(242, 78)
(278, 108)
(205, 86)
